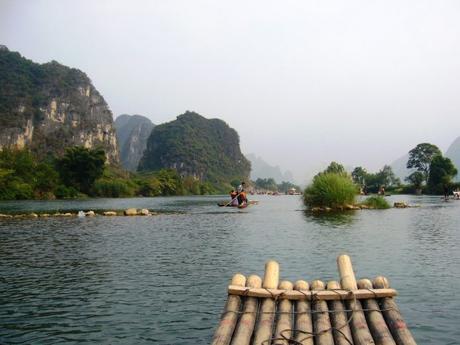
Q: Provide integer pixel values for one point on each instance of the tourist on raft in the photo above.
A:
(242, 199)
(234, 195)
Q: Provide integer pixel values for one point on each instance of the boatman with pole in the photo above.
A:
(241, 194)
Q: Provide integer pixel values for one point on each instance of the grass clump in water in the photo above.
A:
(377, 202)
(334, 190)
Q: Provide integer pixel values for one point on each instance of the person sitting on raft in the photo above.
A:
(242, 194)
(234, 195)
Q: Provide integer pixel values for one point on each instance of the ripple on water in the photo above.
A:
(143, 280)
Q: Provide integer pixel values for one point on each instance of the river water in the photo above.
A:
(163, 279)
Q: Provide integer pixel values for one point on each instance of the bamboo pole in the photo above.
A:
(263, 332)
(284, 322)
(223, 334)
(392, 315)
(375, 320)
(358, 325)
(339, 319)
(303, 323)
(245, 327)
(321, 321)
(327, 295)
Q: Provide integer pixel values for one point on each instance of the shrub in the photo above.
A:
(112, 188)
(378, 202)
(330, 190)
(148, 186)
(63, 192)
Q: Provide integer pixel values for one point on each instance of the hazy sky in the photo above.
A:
(303, 82)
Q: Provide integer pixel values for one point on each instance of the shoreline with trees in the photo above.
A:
(84, 173)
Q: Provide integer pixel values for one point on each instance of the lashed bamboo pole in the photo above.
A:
(358, 325)
(327, 295)
(321, 321)
(224, 332)
(245, 328)
(393, 318)
(339, 319)
(284, 322)
(303, 323)
(375, 320)
(264, 328)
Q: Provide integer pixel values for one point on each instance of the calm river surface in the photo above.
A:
(163, 279)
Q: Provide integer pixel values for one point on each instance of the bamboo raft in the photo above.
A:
(269, 312)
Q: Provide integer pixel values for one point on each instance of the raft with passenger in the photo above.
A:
(266, 311)
(244, 205)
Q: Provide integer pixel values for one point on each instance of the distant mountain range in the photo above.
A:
(400, 169)
(453, 152)
(132, 134)
(261, 169)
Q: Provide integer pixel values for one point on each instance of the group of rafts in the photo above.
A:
(238, 198)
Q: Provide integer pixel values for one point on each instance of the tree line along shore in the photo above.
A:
(83, 172)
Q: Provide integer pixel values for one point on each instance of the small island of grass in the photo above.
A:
(331, 189)
(335, 190)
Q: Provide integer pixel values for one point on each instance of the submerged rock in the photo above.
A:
(400, 205)
(130, 212)
(110, 213)
(144, 212)
(90, 214)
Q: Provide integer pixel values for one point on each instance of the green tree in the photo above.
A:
(386, 177)
(359, 175)
(267, 184)
(170, 182)
(81, 167)
(416, 179)
(421, 156)
(442, 170)
(335, 168)
(285, 186)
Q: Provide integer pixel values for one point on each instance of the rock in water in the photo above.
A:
(144, 212)
(130, 212)
(48, 107)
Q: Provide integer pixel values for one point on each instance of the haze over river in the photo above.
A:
(163, 279)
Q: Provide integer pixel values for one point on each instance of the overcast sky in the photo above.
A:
(303, 82)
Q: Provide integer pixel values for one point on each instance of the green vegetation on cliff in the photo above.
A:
(49, 107)
(26, 86)
(206, 149)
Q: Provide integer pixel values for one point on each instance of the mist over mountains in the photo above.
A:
(453, 152)
(262, 169)
(132, 134)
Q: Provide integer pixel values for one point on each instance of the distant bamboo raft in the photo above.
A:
(269, 312)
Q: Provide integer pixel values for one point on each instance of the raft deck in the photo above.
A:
(268, 312)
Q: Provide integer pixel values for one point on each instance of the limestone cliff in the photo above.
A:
(206, 149)
(132, 134)
(48, 107)
(453, 152)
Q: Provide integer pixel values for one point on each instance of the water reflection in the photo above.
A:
(163, 279)
(331, 219)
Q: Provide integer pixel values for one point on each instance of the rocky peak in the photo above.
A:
(132, 134)
(48, 107)
(206, 149)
